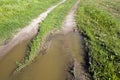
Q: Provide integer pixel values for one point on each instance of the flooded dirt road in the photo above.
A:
(54, 64)
(63, 60)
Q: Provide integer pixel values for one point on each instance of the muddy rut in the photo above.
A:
(64, 60)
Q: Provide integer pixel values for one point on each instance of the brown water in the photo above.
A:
(8, 62)
(53, 65)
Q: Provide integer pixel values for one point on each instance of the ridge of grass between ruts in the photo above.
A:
(16, 14)
(101, 30)
(53, 21)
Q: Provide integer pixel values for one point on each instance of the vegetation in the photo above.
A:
(53, 21)
(15, 14)
(99, 22)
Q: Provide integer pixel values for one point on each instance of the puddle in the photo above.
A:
(8, 62)
(52, 65)
(74, 45)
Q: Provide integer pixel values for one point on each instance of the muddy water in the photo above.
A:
(8, 62)
(74, 45)
(52, 65)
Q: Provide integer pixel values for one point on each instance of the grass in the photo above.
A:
(99, 22)
(53, 21)
(16, 14)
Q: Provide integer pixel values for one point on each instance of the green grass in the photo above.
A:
(16, 14)
(99, 22)
(53, 21)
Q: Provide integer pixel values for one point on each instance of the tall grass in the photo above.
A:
(101, 29)
(15, 14)
(53, 21)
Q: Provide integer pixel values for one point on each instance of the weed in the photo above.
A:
(101, 26)
(16, 14)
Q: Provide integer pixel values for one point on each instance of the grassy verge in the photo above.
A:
(53, 21)
(15, 14)
(99, 21)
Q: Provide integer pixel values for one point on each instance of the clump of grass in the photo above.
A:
(15, 14)
(101, 30)
(53, 21)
